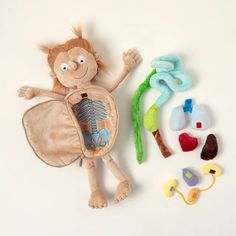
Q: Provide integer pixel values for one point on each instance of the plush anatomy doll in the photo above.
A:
(81, 121)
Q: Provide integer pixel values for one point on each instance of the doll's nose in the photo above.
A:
(72, 65)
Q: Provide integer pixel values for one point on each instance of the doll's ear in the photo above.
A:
(52, 74)
(100, 63)
(77, 31)
(45, 49)
(97, 56)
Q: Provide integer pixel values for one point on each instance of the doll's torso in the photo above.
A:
(84, 124)
(96, 117)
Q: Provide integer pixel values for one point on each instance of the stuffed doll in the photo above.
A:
(81, 120)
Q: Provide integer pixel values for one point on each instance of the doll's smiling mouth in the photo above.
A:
(81, 76)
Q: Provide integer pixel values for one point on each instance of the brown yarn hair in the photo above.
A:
(53, 52)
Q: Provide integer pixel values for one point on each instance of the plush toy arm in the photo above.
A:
(131, 58)
(30, 92)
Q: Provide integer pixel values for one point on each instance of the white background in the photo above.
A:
(36, 199)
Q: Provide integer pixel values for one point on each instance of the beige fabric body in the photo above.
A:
(55, 134)
(110, 164)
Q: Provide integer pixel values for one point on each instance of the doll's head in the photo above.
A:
(73, 63)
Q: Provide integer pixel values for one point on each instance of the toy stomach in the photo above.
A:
(95, 115)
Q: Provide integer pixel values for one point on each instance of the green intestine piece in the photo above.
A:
(135, 116)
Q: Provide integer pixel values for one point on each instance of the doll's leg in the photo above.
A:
(123, 188)
(97, 199)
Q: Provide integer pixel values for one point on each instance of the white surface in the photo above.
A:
(36, 199)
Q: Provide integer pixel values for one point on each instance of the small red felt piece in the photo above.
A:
(187, 142)
(199, 125)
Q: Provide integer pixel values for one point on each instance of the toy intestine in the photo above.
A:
(81, 121)
(167, 77)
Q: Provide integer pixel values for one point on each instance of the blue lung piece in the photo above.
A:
(199, 119)
(190, 178)
(177, 119)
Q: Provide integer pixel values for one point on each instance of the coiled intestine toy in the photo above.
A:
(167, 77)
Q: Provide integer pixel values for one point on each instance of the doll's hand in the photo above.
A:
(131, 58)
(27, 92)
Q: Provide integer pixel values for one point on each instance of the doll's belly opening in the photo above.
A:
(91, 115)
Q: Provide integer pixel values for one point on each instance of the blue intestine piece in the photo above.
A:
(173, 59)
(169, 78)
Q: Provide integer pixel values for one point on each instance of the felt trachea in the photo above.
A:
(187, 107)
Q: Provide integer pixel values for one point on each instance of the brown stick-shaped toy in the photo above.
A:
(163, 148)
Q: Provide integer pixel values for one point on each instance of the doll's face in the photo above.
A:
(75, 67)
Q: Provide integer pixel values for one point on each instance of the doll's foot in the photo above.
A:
(97, 200)
(122, 191)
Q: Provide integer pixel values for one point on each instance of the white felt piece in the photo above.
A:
(177, 118)
(200, 118)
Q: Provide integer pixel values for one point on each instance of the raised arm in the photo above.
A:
(30, 92)
(131, 58)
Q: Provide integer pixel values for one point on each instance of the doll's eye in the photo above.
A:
(64, 66)
(80, 59)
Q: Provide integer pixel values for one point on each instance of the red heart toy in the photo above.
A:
(187, 142)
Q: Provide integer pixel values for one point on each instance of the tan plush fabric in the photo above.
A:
(55, 134)
(113, 167)
(52, 134)
(92, 176)
(80, 123)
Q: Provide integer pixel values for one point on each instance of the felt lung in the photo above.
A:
(177, 118)
(200, 118)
